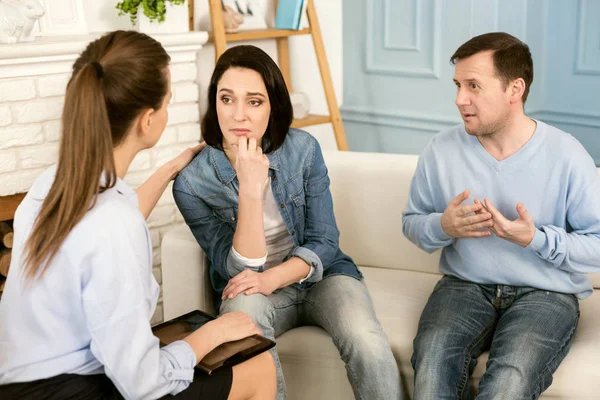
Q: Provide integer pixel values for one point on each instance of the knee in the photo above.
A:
(257, 306)
(267, 364)
(431, 350)
(512, 382)
(368, 343)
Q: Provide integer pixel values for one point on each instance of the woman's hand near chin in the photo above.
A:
(252, 167)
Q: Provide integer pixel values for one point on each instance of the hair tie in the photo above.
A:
(99, 69)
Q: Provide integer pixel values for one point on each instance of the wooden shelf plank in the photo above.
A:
(8, 206)
(269, 33)
(312, 119)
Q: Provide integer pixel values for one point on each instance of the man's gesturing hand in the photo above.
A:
(519, 231)
(466, 221)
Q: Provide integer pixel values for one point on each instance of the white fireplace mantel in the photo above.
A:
(53, 55)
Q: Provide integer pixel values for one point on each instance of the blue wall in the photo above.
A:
(398, 89)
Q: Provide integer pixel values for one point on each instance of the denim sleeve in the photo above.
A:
(321, 235)
(214, 236)
(421, 224)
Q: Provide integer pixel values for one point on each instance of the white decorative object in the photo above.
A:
(252, 11)
(300, 105)
(63, 17)
(17, 18)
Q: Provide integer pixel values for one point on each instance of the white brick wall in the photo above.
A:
(52, 85)
(30, 111)
(20, 135)
(5, 117)
(183, 72)
(16, 90)
(38, 156)
(37, 110)
(52, 131)
(184, 93)
(8, 160)
(19, 181)
(188, 132)
(183, 113)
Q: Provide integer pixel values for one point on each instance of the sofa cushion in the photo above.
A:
(399, 298)
(370, 221)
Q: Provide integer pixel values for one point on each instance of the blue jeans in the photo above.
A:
(527, 330)
(342, 306)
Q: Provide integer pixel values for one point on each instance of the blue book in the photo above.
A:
(289, 13)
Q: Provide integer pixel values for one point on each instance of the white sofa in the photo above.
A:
(369, 193)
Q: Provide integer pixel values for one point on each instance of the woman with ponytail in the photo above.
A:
(75, 314)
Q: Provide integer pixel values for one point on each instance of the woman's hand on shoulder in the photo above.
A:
(186, 156)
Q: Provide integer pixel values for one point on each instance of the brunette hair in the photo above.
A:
(251, 57)
(114, 80)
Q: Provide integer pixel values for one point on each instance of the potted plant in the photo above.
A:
(156, 16)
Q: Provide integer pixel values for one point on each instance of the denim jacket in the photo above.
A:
(206, 192)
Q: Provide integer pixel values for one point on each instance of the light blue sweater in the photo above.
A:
(555, 179)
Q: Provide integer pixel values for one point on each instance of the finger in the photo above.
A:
(495, 213)
(227, 293)
(523, 213)
(460, 198)
(243, 145)
(251, 291)
(234, 280)
(259, 151)
(483, 209)
(252, 146)
(478, 218)
(477, 234)
(266, 160)
(197, 149)
(227, 289)
(240, 288)
(484, 224)
(231, 287)
(243, 279)
(468, 209)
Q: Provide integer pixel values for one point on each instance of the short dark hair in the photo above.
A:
(512, 58)
(251, 57)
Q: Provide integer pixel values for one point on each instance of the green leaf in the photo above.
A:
(155, 10)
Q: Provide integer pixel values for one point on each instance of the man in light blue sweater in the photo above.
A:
(515, 205)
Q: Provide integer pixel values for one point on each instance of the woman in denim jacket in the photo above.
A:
(257, 200)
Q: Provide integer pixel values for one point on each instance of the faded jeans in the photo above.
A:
(527, 330)
(341, 306)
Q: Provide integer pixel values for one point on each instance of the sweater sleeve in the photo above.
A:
(421, 222)
(577, 248)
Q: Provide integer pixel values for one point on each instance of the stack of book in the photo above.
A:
(290, 14)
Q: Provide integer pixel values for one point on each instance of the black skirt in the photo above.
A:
(98, 387)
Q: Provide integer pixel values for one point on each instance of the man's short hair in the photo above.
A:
(512, 58)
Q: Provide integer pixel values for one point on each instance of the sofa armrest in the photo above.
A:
(185, 282)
